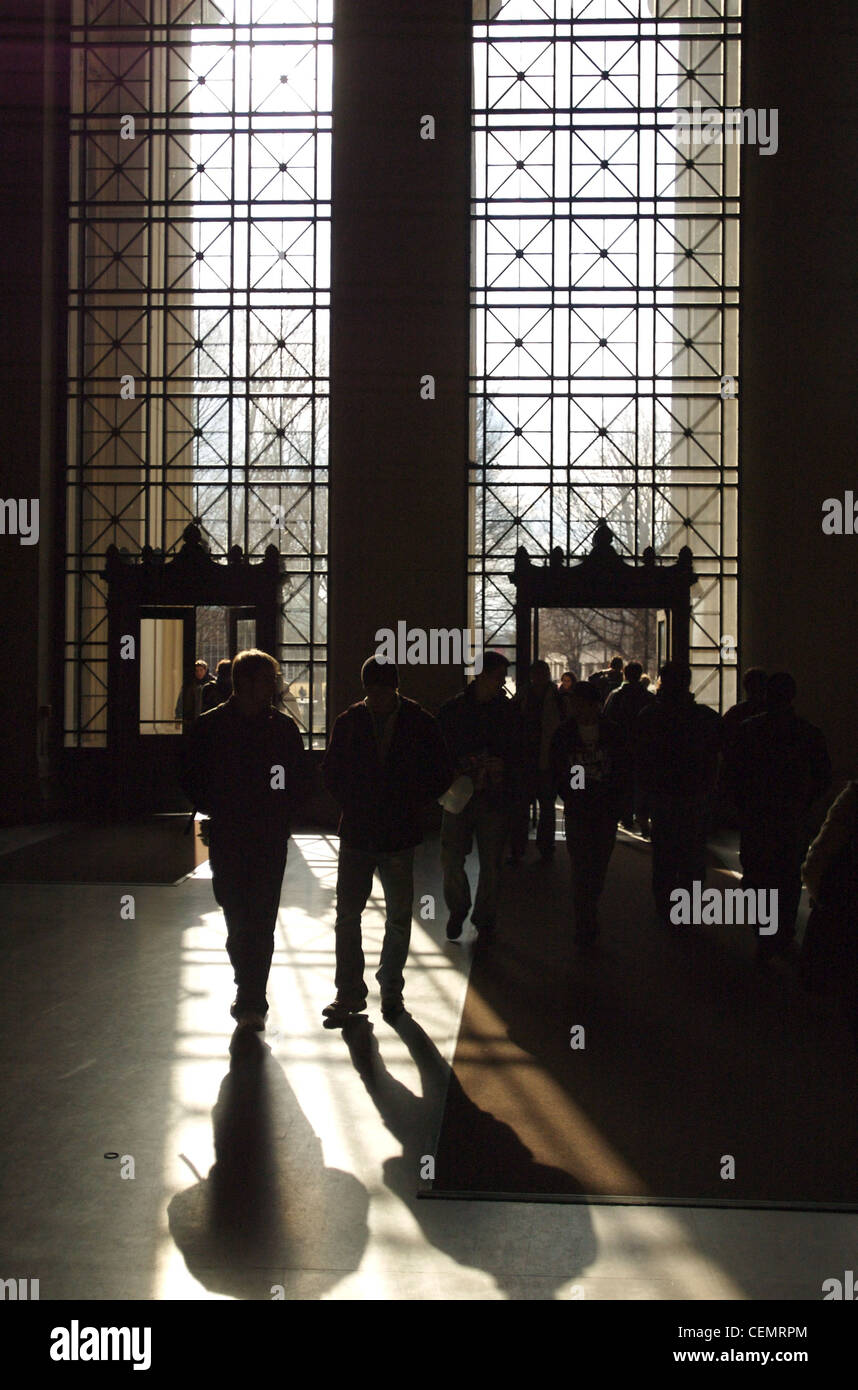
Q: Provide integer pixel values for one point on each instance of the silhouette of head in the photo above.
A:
(254, 681)
(780, 691)
(616, 663)
(491, 679)
(540, 675)
(585, 702)
(633, 672)
(375, 672)
(674, 679)
(567, 680)
(380, 680)
(754, 684)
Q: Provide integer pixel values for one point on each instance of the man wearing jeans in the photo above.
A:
(385, 761)
(244, 765)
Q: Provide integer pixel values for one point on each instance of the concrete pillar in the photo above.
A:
(400, 222)
(33, 213)
(799, 403)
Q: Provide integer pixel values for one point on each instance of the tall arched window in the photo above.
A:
(199, 304)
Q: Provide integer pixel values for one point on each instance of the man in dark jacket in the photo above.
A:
(243, 764)
(777, 767)
(386, 760)
(217, 691)
(678, 744)
(482, 732)
(541, 713)
(589, 762)
(623, 706)
(608, 680)
(192, 697)
(754, 683)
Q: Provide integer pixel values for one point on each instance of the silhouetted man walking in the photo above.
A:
(754, 684)
(623, 706)
(541, 714)
(778, 766)
(385, 762)
(589, 759)
(482, 734)
(243, 765)
(677, 745)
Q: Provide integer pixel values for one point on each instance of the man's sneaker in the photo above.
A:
(455, 922)
(392, 1007)
(242, 1012)
(249, 1018)
(484, 928)
(342, 1008)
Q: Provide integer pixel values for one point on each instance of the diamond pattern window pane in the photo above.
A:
(199, 304)
(604, 295)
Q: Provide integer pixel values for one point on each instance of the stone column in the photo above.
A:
(798, 399)
(34, 215)
(400, 223)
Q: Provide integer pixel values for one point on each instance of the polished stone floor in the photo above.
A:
(291, 1166)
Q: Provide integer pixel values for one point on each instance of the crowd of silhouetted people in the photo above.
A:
(611, 749)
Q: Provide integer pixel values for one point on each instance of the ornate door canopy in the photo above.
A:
(603, 579)
(190, 579)
(193, 577)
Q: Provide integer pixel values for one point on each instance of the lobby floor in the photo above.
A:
(291, 1166)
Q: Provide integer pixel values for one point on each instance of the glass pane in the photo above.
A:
(585, 640)
(605, 296)
(199, 258)
(161, 675)
(212, 635)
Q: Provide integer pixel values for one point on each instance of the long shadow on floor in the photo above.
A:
(692, 1053)
(270, 1211)
(482, 1241)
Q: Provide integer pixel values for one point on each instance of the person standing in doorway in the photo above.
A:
(190, 703)
(220, 689)
(610, 679)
